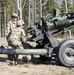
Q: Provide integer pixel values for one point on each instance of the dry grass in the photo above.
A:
(30, 68)
(3, 42)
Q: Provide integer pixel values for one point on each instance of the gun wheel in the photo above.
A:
(65, 54)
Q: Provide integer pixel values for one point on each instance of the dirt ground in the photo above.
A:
(35, 67)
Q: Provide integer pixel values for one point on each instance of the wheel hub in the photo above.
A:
(69, 53)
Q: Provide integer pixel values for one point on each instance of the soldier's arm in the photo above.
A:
(23, 36)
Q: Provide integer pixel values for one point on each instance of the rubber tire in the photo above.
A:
(61, 53)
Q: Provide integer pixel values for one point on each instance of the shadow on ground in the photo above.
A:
(35, 60)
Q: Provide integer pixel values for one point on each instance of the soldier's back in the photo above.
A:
(15, 34)
(11, 24)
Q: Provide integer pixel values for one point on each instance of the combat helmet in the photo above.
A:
(20, 23)
(14, 15)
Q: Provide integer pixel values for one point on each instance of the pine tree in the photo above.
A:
(10, 8)
(69, 6)
(49, 6)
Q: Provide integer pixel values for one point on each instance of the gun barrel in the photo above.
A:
(64, 23)
(71, 22)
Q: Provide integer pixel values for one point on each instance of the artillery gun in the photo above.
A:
(47, 46)
(43, 36)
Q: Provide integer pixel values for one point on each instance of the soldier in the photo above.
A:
(11, 24)
(16, 37)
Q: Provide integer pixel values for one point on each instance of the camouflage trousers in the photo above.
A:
(15, 44)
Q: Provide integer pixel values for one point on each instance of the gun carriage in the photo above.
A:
(47, 46)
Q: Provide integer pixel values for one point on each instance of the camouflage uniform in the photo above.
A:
(11, 24)
(17, 36)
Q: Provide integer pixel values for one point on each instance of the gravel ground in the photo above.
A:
(31, 68)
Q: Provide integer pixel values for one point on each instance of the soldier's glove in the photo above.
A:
(23, 39)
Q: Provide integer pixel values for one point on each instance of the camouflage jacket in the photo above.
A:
(17, 34)
(10, 25)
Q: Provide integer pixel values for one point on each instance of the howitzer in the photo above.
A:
(44, 39)
(46, 45)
